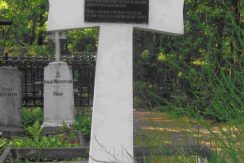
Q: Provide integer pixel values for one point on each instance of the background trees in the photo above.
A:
(28, 35)
(201, 71)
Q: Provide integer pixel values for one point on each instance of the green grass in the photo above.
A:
(226, 140)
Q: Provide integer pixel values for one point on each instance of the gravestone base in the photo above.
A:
(10, 99)
(58, 95)
(11, 131)
(51, 129)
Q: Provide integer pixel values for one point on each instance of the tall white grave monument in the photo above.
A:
(58, 92)
(112, 121)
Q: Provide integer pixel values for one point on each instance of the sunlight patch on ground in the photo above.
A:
(161, 128)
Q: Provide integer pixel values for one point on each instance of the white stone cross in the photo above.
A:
(112, 118)
(56, 39)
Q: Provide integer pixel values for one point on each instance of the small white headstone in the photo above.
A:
(10, 97)
(58, 95)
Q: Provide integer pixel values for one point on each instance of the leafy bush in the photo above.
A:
(3, 143)
(147, 96)
(210, 91)
(83, 123)
(45, 142)
(31, 115)
(213, 92)
(36, 139)
(35, 131)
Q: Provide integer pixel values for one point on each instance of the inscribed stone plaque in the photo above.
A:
(10, 97)
(58, 95)
(127, 11)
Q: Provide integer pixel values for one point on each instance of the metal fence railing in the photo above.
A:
(32, 69)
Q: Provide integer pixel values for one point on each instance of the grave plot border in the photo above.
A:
(5, 154)
(140, 152)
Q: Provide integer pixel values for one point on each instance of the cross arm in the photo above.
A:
(165, 16)
(66, 14)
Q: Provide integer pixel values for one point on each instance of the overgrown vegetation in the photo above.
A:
(32, 120)
(83, 124)
(218, 96)
(32, 115)
(200, 72)
(199, 75)
(214, 93)
(3, 143)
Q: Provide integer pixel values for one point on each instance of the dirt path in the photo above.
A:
(159, 128)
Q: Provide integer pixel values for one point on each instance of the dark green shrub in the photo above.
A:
(30, 115)
(36, 139)
(83, 123)
(3, 143)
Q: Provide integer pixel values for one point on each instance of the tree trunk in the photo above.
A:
(41, 24)
(235, 44)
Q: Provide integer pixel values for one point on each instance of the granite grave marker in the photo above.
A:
(58, 95)
(10, 97)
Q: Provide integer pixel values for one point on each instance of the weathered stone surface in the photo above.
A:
(58, 95)
(112, 118)
(10, 97)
